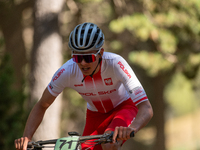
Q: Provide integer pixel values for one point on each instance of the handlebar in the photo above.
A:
(74, 137)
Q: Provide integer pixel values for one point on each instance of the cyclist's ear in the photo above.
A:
(101, 52)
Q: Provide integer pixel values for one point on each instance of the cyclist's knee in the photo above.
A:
(111, 146)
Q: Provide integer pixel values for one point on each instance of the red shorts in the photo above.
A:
(98, 123)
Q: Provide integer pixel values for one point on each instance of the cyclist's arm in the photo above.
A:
(34, 119)
(37, 113)
(145, 113)
(133, 86)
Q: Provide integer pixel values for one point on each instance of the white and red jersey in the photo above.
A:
(113, 84)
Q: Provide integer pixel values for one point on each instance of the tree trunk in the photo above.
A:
(46, 59)
(10, 23)
(159, 111)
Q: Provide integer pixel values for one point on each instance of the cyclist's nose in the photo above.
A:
(83, 62)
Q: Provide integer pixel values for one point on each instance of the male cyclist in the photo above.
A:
(116, 101)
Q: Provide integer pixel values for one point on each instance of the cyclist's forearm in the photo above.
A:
(37, 113)
(34, 120)
(145, 113)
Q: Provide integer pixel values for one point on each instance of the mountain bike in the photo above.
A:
(72, 142)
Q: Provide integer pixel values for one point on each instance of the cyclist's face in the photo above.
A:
(88, 68)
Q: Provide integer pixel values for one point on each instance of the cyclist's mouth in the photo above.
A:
(85, 69)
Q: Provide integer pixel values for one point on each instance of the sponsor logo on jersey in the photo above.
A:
(123, 68)
(99, 93)
(78, 85)
(50, 86)
(58, 74)
(108, 81)
(87, 94)
(137, 90)
(106, 92)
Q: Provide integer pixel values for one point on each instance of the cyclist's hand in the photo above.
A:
(122, 133)
(21, 143)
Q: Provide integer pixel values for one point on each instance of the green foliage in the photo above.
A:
(190, 65)
(167, 42)
(153, 63)
(11, 108)
(116, 45)
(138, 24)
(143, 28)
(179, 94)
(172, 26)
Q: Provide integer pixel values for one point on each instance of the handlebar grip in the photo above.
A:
(132, 134)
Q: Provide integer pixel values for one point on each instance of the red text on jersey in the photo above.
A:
(58, 75)
(99, 93)
(123, 68)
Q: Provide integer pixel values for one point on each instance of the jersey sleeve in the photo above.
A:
(126, 75)
(59, 81)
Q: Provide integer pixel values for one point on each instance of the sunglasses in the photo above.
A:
(87, 57)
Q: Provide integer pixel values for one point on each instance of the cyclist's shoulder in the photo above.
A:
(113, 59)
(67, 69)
(69, 65)
(109, 56)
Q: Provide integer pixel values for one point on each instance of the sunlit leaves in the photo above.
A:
(171, 25)
(138, 24)
(116, 45)
(144, 29)
(179, 94)
(117, 26)
(194, 59)
(153, 63)
(190, 66)
(167, 42)
(170, 18)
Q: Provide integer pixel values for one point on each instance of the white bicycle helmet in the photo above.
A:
(86, 37)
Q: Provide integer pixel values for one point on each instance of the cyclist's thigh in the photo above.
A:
(123, 117)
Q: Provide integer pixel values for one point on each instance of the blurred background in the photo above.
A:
(159, 38)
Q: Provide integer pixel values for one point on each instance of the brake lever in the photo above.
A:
(106, 138)
(33, 144)
(110, 137)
